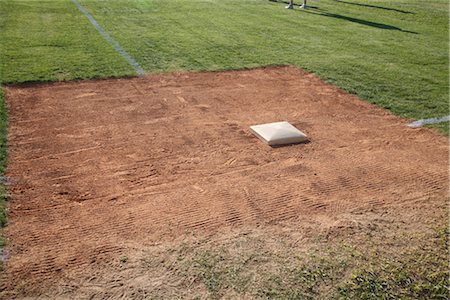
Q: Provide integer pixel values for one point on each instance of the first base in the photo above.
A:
(278, 133)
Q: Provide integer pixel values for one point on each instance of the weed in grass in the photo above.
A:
(205, 264)
(418, 274)
(211, 268)
(310, 277)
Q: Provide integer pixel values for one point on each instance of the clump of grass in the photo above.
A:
(418, 274)
(218, 270)
(311, 275)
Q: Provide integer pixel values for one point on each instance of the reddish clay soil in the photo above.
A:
(99, 167)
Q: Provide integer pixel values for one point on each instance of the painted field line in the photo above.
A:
(420, 123)
(110, 40)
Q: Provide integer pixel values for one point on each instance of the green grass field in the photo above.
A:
(392, 53)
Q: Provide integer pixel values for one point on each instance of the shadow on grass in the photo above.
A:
(375, 6)
(320, 12)
(352, 3)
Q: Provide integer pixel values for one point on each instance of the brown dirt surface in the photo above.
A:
(101, 168)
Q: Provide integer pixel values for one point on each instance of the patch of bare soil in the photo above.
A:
(101, 169)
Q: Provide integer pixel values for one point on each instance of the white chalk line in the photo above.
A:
(420, 123)
(110, 40)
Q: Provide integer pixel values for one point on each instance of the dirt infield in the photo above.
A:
(100, 167)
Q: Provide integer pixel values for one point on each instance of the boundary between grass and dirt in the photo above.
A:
(4, 126)
(308, 276)
(3, 120)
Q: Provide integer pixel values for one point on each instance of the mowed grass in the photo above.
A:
(50, 41)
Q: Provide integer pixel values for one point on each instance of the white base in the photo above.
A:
(278, 133)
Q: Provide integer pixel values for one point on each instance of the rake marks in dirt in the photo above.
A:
(100, 167)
